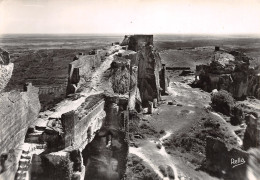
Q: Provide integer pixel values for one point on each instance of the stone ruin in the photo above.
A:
(61, 143)
(136, 42)
(229, 71)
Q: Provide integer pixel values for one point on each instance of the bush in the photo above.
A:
(222, 101)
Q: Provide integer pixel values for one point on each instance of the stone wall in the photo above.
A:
(81, 125)
(105, 157)
(18, 111)
(151, 77)
(80, 70)
(149, 67)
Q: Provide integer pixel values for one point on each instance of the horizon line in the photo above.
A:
(155, 34)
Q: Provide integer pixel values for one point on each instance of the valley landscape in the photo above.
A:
(130, 107)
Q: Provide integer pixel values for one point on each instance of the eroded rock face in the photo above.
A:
(149, 67)
(151, 77)
(228, 162)
(4, 57)
(253, 171)
(6, 68)
(231, 72)
(80, 70)
(5, 75)
(249, 112)
(121, 79)
(105, 156)
(18, 111)
(231, 163)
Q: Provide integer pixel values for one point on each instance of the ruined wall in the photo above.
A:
(105, 157)
(149, 68)
(136, 42)
(18, 111)
(80, 70)
(120, 75)
(152, 79)
(229, 71)
(80, 125)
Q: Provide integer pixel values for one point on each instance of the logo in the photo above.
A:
(237, 162)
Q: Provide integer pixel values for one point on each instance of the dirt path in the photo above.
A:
(188, 104)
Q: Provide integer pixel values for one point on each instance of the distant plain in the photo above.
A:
(43, 58)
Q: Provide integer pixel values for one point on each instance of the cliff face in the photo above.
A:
(231, 72)
(6, 69)
(18, 111)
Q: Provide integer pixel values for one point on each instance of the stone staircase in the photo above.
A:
(28, 150)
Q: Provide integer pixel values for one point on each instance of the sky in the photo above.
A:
(132, 16)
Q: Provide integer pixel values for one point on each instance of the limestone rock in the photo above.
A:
(229, 71)
(18, 111)
(4, 57)
(5, 75)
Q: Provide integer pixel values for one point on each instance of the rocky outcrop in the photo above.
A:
(6, 69)
(226, 161)
(151, 78)
(253, 171)
(149, 67)
(229, 71)
(230, 162)
(4, 57)
(248, 112)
